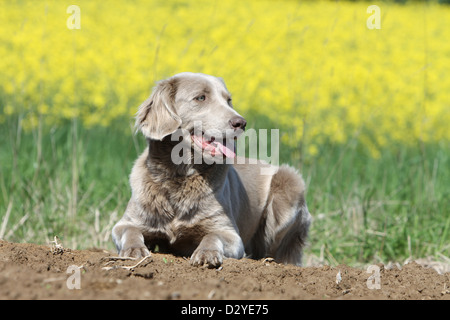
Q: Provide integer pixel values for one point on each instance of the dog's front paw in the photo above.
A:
(207, 257)
(134, 252)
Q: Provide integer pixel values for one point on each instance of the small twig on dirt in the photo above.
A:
(338, 277)
(137, 264)
(53, 279)
(126, 267)
(119, 258)
(114, 259)
(57, 247)
(211, 294)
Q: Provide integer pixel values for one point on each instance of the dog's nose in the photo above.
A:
(238, 123)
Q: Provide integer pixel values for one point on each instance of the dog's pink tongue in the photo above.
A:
(213, 147)
(225, 151)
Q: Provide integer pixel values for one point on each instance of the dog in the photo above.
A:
(207, 210)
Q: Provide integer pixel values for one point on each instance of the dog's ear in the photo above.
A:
(156, 117)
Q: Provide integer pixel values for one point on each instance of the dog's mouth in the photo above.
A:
(215, 146)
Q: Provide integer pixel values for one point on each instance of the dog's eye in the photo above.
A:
(201, 98)
(229, 101)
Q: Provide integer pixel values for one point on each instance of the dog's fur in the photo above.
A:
(207, 211)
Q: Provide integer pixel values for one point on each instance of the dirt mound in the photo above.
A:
(29, 271)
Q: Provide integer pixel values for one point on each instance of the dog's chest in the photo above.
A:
(179, 215)
(176, 210)
(182, 233)
(164, 202)
(187, 194)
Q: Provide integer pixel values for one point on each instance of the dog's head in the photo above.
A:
(200, 105)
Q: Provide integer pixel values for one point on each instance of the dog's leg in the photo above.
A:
(290, 247)
(127, 237)
(287, 217)
(129, 241)
(217, 245)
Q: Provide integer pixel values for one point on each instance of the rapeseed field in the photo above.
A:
(313, 68)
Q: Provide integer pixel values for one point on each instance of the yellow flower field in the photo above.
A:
(313, 68)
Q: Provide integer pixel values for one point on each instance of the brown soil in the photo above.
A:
(29, 271)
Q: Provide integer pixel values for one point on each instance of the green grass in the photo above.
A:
(72, 182)
(388, 209)
(64, 181)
